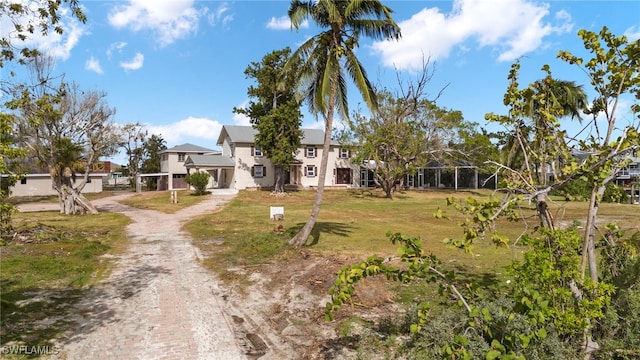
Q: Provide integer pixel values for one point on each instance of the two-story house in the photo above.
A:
(242, 165)
(172, 165)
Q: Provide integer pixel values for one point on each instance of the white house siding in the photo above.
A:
(40, 185)
(244, 162)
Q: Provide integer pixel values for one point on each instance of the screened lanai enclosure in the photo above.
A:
(450, 177)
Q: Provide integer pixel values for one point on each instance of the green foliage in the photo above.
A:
(538, 317)
(10, 171)
(31, 18)
(479, 220)
(418, 266)
(620, 328)
(199, 180)
(151, 158)
(614, 193)
(550, 286)
(576, 190)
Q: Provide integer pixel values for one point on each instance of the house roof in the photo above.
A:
(216, 160)
(187, 147)
(247, 134)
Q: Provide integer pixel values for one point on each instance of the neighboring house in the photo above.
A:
(172, 165)
(242, 165)
(40, 185)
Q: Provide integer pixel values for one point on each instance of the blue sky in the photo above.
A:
(178, 66)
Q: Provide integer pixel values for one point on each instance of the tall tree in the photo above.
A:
(67, 130)
(326, 57)
(274, 110)
(151, 158)
(545, 99)
(133, 143)
(406, 132)
(26, 18)
(614, 70)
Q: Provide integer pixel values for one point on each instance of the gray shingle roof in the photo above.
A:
(188, 148)
(208, 161)
(247, 134)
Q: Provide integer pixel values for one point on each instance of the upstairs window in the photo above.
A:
(344, 153)
(310, 152)
(181, 157)
(256, 151)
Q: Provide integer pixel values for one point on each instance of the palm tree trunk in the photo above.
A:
(301, 237)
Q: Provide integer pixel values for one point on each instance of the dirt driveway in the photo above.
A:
(159, 302)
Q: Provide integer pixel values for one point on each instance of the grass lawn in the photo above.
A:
(161, 200)
(353, 223)
(46, 268)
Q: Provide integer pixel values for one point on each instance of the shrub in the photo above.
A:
(199, 181)
(614, 193)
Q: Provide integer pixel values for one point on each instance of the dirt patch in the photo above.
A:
(285, 304)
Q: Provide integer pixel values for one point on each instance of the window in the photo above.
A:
(344, 153)
(181, 157)
(23, 181)
(256, 151)
(343, 176)
(310, 152)
(165, 157)
(258, 171)
(310, 171)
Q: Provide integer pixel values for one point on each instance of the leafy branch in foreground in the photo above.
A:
(419, 266)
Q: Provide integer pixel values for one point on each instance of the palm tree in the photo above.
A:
(326, 60)
(546, 100)
(556, 99)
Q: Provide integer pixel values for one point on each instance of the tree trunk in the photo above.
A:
(588, 249)
(73, 202)
(278, 186)
(544, 214)
(388, 187)
(301, 237)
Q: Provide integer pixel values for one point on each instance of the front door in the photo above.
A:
(294, 175)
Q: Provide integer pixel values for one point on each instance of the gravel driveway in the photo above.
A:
(158, 302)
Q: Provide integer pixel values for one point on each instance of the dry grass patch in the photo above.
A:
(161, 200)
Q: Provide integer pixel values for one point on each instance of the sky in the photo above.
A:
(177, 67)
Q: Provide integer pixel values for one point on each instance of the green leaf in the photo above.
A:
(493, 354)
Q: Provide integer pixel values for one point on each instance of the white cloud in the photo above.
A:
(220, 15)
(632, 33)
(116, 46)
(94, 65)
(169, 20)
(191, 127)
(284, 23)
(512, 27)
(135, 63)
